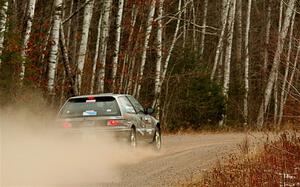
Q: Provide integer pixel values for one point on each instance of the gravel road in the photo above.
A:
(182, 159)
(46, 162)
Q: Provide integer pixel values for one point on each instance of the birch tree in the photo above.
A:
(227, 60)
(3, 14)
(96, 55)
(228, 55)
(88, 12)
(117, 42)
(247, 32)
(286, 72)
(129, 51)
(158, 51)
(221, 38)
(29, 18)
(54, 47)
(239, 33)
(169, 52)
(267, 37)
(184, 22)
(146, 45)
(276, 74)
(131, 65)
(66, 61)
(194, 25)
(204, 28)
(103, 46)
(166, 63)
(290, 81)
(275, 65)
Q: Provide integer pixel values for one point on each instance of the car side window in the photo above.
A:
(126, 105)
(137, 106)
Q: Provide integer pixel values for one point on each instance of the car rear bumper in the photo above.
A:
(111, 132)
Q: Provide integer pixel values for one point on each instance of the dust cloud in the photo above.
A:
(33, 153)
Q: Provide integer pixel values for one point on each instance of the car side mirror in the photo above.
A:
(149, 111)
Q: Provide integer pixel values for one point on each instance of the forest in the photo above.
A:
(199, 63)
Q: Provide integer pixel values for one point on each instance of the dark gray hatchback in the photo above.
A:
(119, 114)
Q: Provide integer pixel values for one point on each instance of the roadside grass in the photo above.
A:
(276, 164)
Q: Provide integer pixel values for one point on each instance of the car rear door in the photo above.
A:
(146, 122)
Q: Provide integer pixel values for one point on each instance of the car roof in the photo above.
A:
(99, 95)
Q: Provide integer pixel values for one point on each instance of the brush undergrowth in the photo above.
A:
(276, 164)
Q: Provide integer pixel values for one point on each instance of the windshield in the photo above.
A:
(90, 107)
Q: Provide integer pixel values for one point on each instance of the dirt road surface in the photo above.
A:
(43, 161)
(183, 159)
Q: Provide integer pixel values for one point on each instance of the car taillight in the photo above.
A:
(113, 123)
(67, 125)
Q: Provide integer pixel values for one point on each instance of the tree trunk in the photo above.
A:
(286, 72)
(92, 86)
(54, 46)
(128, 50)
(289, 83)
(66, 61)
(117, 43)
(68, 41)
(3, 14)
(274, 70)
(159, 54)
(267, 39)
(239, 34)
(204, 28)
(280, 17)
(184, 22)
(29, 18)
(146, 45)
(129, 84)
(194, 26)
(220, 42)
(276, 75)
(247, 63)
(103, 46)
(88, 12)
(228, 52)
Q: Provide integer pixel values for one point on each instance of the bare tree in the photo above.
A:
(129, 84)
(228, 52)
(276, 75)
(66, 61)
(146, 45)
(247, 32)
(204, 28)
(103, 46)
(275, 65)
(128, 51)
(194, 24)
(267, 38)
(221, 38)
(54, 46)
(88, 12)
(290, 81)
(158, 52)
(29, 17)
(117, 42)
(96, 55)
(239, 34)
(3, 14)
(286, 72)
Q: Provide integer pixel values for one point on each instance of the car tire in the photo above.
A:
(157, 139)
(132, 139)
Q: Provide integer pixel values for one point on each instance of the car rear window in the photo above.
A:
(90, 107)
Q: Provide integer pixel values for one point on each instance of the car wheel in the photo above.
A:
(157, 139)
(132, 138)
